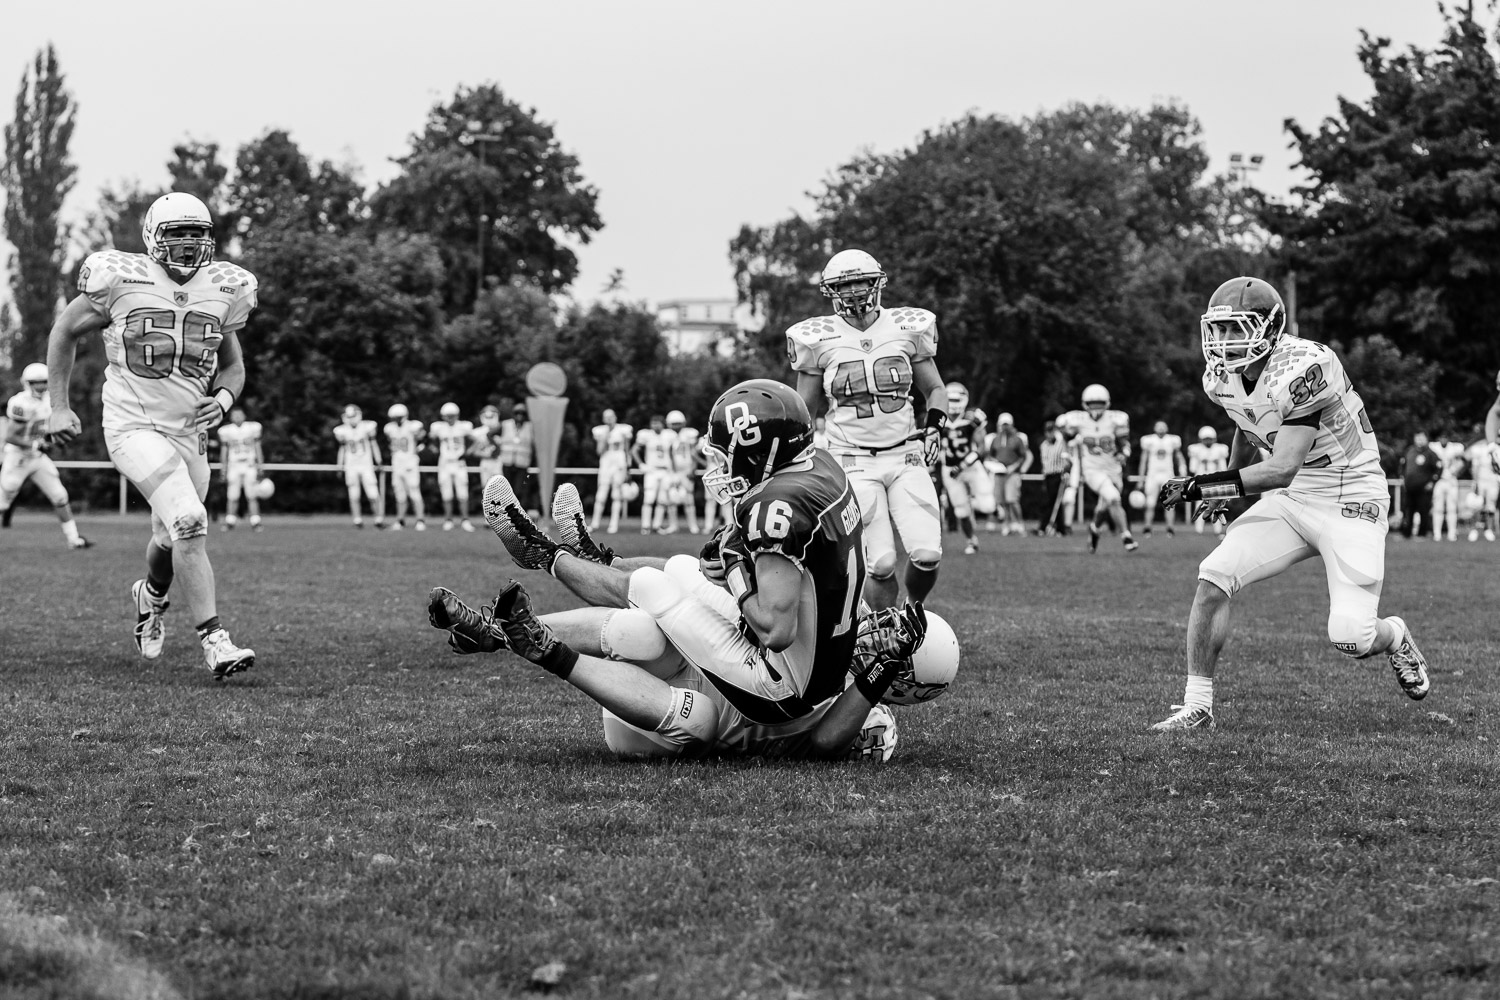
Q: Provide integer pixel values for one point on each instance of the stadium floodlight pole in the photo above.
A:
(479, 138)
(1242, 166)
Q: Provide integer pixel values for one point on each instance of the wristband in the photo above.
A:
(1226, 485)
(223, 405)
(936, 418)
(878, 680)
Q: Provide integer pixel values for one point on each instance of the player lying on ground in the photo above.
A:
(1325, 492)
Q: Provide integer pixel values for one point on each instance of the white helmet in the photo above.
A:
(1244, 320)
(931, 668)
(449, 410)
(34, 372)
(676, 419)
(178, 233)
(958, 399)
(1207, 433)
(352, 414)
(398, 411)
(1005, 420)
(852, 267)
(1095, 395)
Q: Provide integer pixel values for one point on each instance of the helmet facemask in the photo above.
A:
(719, 480)
(854, 296)
(1233, 340)
(183, 246)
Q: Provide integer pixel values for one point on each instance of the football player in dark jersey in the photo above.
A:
(748, 648)
(967, 483)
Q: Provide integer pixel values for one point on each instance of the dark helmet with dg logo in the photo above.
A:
(1244, 319)
(756, 428)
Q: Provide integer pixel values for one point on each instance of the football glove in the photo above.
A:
(1174, 491)
(932, 437)
(885, 643)
(1212, 511)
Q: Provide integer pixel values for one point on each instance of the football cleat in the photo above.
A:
(150, 631)
(526, 543)
(467, 525)
(1093, 538)
(397, 526)
(421, 525)
(1186, 718)
(1130, 543)
(6, 515)
(223, 656)
(469, 631)
(526, 634)
(971, 547)
(80, 543)
(448, 524)
(1409, 663)
(567, 514)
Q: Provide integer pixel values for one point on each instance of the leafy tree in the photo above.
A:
(518, 195)
(37, 175)
(1398, 233)
(196, 170)
(275, 183)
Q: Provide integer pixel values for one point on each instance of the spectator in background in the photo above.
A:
(516, 455)
(1057, 459)
(1419, 467)
(1010, 449)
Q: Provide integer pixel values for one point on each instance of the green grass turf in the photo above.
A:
(1030, 839)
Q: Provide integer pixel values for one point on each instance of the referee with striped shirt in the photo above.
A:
(1056, 461)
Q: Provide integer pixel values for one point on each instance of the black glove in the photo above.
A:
(932, 436)
(884, 647)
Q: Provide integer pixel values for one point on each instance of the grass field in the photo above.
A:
(366, 815)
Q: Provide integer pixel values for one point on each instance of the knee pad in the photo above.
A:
(926, 559)
(626, 740)
(631, 635)
(654, 592)
(883, 566)
(683, 568)
(692, 723)
(1352, 636)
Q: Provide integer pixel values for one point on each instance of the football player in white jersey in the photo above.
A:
(452, 437)
(404, 436)
(685, 451)
(1492, 419)
(866, 361)
(486, 443)
(359, 453)
(1303, 440)
(171, 319)
(654, 446)
(1205, 455)
(1161, 459)
(1101, 447)
(1484, 466)
(612, 441)
(1451, 458)
(243, 459)
(26, 444)
(969, 485)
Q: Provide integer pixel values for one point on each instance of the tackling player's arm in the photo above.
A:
(228, 384)
(78, 319)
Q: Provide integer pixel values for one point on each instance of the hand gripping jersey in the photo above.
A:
(1095, 441)
(453, 439)
(867, 374)
(1301, 379)
(1158, 449)
(356, 442)
(28, 420)
(1205, 458)
(239, 442)
(163, 338)
(656, 447)
(964, 442)
(404, 438)
(809, 514)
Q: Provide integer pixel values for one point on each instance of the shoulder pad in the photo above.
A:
(221, 272)
(911, 319)
(814, 329)
(1290, 359)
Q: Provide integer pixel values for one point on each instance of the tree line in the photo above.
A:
(1073, 246)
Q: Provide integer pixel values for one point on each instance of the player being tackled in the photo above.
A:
(1323, 492)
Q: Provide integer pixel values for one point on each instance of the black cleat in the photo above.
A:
(469, 631)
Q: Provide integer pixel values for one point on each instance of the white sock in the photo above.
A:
(1200, 692)
(70, 530)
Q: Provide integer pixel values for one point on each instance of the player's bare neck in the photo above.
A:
(864, 321)
(1251, 375)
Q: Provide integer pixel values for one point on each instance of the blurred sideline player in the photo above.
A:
(1302, 440)
(243, 459)
(404, 436)
(1009, 452)
(26, 416)
(1451, 457)
(1101, 447)
(745, 650)
(1204, 456)
(486, 443)
(866, 360)
(612, 441)
(685, 450)
(171, 319)
(1161, 459)
(359, 453)
(452, 436)
(653, 453)
(1484, 464)
(1492, 418)
(965, 479)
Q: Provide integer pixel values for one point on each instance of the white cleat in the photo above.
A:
(567, 515)
(467, 525)
(224, 657)
(150, 631)
(1186, 718)
(1409, 663)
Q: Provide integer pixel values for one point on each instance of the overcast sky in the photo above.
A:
(690, 118)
